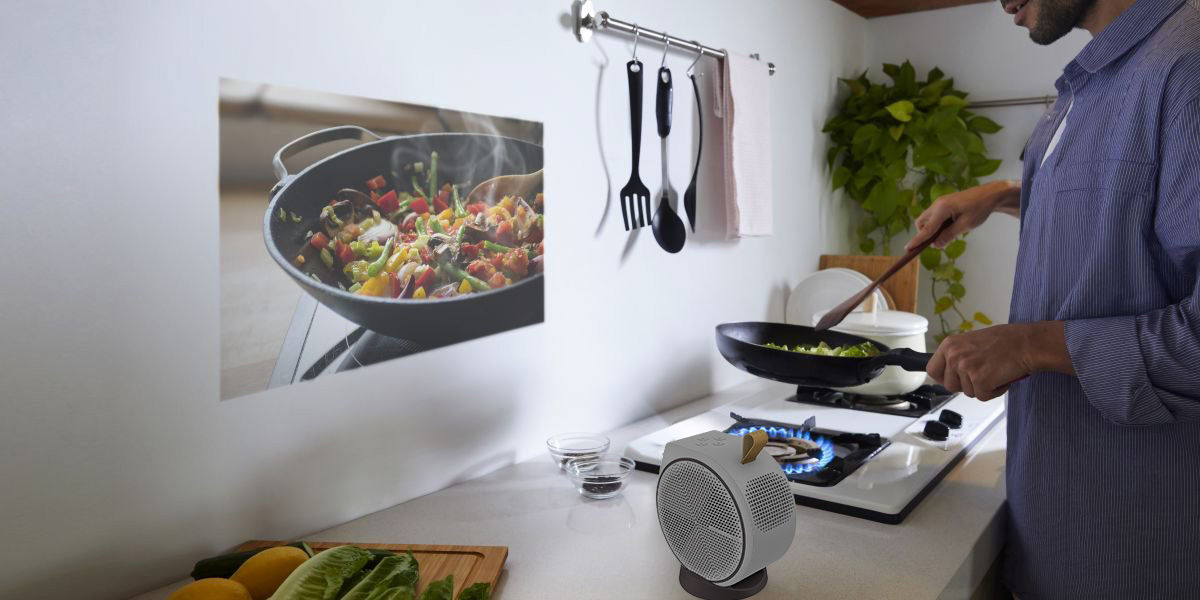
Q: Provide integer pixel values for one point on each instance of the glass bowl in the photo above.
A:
(599, 478)
(566, 447)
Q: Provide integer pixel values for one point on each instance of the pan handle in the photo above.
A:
(905, 358)
(316, 138)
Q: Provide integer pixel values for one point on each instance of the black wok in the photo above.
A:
(741, 345)
(462, 157)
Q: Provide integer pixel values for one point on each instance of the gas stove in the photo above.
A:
(913, 404)
(840, 456)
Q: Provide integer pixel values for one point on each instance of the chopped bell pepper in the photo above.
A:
(377, 285)
(419, 294)
(344, 253)
(419, 206)
(376, 182)
(319, 241)
(389, 202)
(464, 287)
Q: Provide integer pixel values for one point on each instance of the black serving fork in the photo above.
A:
(635, 193)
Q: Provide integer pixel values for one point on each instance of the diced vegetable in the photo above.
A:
(327, 258)
(377, 285)
(433, 160)
(423, 277)
(389, 202)
(376, 183)
(458, 273)
(344, 253)
(419, 206)
(494, 247)
(417, 187)
(354, 288)
(464, 287)
(440, 202)
(318, 241)
(419, 294)
(459, 211)
(864, 349)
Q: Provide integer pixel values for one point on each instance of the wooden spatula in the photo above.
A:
(839, 312)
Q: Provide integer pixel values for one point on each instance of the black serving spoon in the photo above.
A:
(668, 227)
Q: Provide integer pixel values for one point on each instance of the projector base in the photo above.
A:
(703, 588)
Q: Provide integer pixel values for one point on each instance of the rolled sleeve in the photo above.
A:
(1145, 369)
(1108, 361)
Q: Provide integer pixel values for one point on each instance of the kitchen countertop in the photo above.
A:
(564, 546)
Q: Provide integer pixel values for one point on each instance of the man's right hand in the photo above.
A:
(968, 209)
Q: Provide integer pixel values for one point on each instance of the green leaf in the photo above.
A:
(941, 189)
(865, 134)
(945, 271)
(952, 102)
(867, 245)
(956, 248)
(831, 156)
(901, 111)
(892, 71)
(943, 304)
(966, 326)
(442, 589)
(956, 275)
(840, 177)
(985, 168)
(982, 318)
(856, 87)
(935, 74)
(896, 132)
(897, 169)
(478, 591)
(957, 290)
(931, 257)
(983, 125)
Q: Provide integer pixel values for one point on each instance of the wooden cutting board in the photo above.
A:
(901, 289)
(469, 564)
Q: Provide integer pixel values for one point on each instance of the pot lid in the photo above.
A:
(883, 322)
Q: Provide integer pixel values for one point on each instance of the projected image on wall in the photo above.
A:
(356, 231)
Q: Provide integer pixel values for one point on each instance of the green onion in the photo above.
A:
(494, 247)
(355, 288)
(296, 218)
(282, 215)
(462, 230)
(419, 225)
(327, 258)
(417, 188)
(377, 267)
(436, 224)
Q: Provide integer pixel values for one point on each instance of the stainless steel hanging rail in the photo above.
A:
(588, 20)
(1044, 100)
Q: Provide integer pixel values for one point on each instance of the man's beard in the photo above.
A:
(1056, 18)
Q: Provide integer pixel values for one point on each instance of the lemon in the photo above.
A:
(212, 588)
(263, 572)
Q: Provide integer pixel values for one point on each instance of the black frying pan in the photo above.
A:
(461, 157)
(741, 345)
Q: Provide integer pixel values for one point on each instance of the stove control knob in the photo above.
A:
(936, 431)
(952, 419)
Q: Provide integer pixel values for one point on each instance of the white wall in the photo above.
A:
(990, 58)
(120, 466)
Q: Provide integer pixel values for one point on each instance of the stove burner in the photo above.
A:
(812, 456)
(919, 402)
(796, 450)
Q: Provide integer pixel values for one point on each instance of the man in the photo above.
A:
(1103, 467)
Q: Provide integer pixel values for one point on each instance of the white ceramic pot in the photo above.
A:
(894, 329)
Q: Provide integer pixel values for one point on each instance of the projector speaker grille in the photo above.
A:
(700, 520)
(770, 500)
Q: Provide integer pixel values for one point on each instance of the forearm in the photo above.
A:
(1008, 197)
(1045, 347)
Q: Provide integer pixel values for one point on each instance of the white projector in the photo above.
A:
(726, 511)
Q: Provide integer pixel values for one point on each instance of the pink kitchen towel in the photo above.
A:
(747, 119)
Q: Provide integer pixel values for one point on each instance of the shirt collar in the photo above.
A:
(1130, 28)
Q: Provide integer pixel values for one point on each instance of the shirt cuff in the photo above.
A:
(1107, 356)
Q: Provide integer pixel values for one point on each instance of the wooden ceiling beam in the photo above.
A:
(883, 8)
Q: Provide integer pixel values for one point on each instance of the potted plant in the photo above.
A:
(894, 149)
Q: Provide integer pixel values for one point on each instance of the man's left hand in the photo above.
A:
(983, 363)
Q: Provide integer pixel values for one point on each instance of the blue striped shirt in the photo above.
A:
(1104, 468)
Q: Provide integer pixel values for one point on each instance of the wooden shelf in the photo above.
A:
(883, 8)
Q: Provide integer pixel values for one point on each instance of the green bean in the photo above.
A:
(494, 247)
(433, 188)
(476, 283)
(417, 188)
(377, 267)
(436, 223)
(459, 211)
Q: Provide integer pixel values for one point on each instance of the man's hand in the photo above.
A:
(983, 363)
(968, 208)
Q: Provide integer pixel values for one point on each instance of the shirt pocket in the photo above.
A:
(1102, 197)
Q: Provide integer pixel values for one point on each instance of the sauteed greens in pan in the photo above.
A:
(395, 242)
(862, 350)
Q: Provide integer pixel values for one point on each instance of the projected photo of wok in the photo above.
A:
(406, 228)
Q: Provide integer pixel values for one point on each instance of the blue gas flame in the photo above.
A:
(783, 433)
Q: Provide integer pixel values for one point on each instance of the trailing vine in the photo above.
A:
(894, 149)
